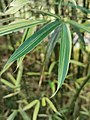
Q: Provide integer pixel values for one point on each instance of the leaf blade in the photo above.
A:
(30, 105)
(80, 26)
(12, 116)
(64, 55)
(31, 43)
(6, 29)
(36, 110)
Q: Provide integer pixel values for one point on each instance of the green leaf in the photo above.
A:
(80, 26)
(6, 19)
(43, 102)
(24, 115)
(52, 42)
(6, 29)
(18, 2)
(12, 116)
(64, 55)
(51, 85)
(52, 106)
(31, 42)
(7, 83)
(77, 63)
(10, 95)
(83, 9)
(28, 32)
(30, 105)
(15, 6)
(36, 110)
(11, 78)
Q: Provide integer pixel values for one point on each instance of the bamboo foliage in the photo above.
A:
(60, 27)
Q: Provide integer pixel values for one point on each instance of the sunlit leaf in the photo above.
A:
(10, 95)
(6, 29)
(7, 83)
(36, 110)
(30, 105)
(15, 6)
(51, 105)
(11, 78)
(77, 63)
(18, 2)
(43, 101)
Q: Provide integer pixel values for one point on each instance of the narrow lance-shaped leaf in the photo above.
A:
(43, 102)
(32, 42)
(36, 110)
(12, 116)
(80, 26)
(64, 55)
(52, 106)
(16, 26)
(52, 42)
(18, 2)
(7, 83)
(10, 95)
(16, 5)
(30, 105)
(83, 9)
(24, 115)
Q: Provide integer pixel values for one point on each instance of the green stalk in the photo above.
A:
(19, 76)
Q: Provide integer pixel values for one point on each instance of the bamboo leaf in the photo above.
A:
(24, 115)
(30, 105)
(77, 63)
(43, 102)
(31, 43)
(13, 115)
(15, 6)
(64, 55)
(52, 42)
(18, 2)
(10, 95)
(7, 83)
(83, 9)
(11, 78)
(80, 26)
(6, 29)
(28, 32)
(6, 19)
(36, 110)
(52, 106)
